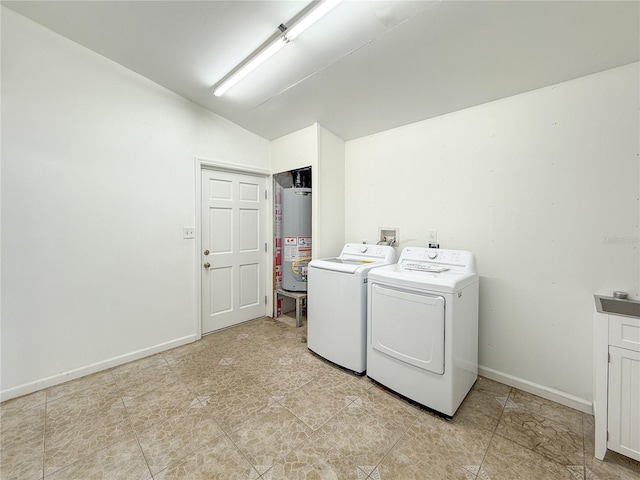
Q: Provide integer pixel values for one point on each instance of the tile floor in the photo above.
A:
(251, 402)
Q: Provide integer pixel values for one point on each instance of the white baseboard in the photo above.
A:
(59, 378)
(542, 391)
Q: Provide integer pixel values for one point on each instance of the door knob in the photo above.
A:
(207, 265)
(206, 252)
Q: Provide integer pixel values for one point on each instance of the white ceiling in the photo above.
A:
(366, 67)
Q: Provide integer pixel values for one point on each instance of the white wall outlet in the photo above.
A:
(432, 236)
(188, 232)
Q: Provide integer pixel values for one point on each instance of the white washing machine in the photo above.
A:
(337, 303)
(422, 339)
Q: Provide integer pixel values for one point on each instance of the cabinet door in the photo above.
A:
(624, 332)
(624, 402)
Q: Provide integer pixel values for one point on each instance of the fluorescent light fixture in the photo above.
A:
(307, 17)
(312, 17)
(249, 66)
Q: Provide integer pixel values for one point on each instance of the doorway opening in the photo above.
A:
(293, 242)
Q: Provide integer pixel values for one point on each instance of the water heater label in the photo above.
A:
(304, 242)
(290, 240)
(290, 253)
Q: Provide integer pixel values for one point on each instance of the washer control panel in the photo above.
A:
(431, 258)
(368, 252)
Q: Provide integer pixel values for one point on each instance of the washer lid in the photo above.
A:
(447, 281)
(341, 265)
(357, 258)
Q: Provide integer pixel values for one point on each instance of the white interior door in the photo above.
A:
(233, 246)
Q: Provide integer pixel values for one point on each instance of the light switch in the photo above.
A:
(188, 232)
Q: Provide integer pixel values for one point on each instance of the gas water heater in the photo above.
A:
(296, 237)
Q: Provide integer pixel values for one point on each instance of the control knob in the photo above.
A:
(432, 254)
(363, 249)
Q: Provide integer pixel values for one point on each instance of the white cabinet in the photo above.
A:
(617, 385)
(623, 412)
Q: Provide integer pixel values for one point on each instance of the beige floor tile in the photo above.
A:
(314, 460)
(199, 377)
(185, 365)
(176, 414)
(482, 408)
(553, 440)
(233, 338)
(266, 331)
(589, 429)
(175, 354)
(18, 425)
(83, 403)
(166, 445)
(506, 460)
(492, 387)
(613, 467)
(225, 359)
(126, 369)
(365, 382)
(397, 466)
(230, 415)
(25, 401)
(78, 385)
(70, 441)
(315, 404)
(23, 461)
(222, 461)
(120, 461)
(268, 435)
(332, 377)
(135, 382)
(282, 376)
(383, 403)
(588, 423)
(553, 411)
(363, 436)
(289, 344)
(230, 400)
(434, 448)
(238, 386)
(156, 407)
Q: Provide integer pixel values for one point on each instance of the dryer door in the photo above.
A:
(409, 326)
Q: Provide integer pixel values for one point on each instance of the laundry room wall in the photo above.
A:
(543, 187)
(98, 180)
(324, 152)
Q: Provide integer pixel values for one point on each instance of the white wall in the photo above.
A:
(98, 179)
(324, 152)
(296, 150)
(544, 188)
(331, 194)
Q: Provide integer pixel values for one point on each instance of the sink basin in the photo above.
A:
(616, 306)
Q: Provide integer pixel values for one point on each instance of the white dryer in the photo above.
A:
(422, 339)
(337, 303)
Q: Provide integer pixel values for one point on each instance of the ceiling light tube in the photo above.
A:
(312, 17)
(248, 67)
(299, 24)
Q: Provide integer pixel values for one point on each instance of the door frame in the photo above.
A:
(202, 163)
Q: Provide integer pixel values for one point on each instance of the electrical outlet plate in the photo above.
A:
(188, 232)
(432, 236)
(388, 236)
